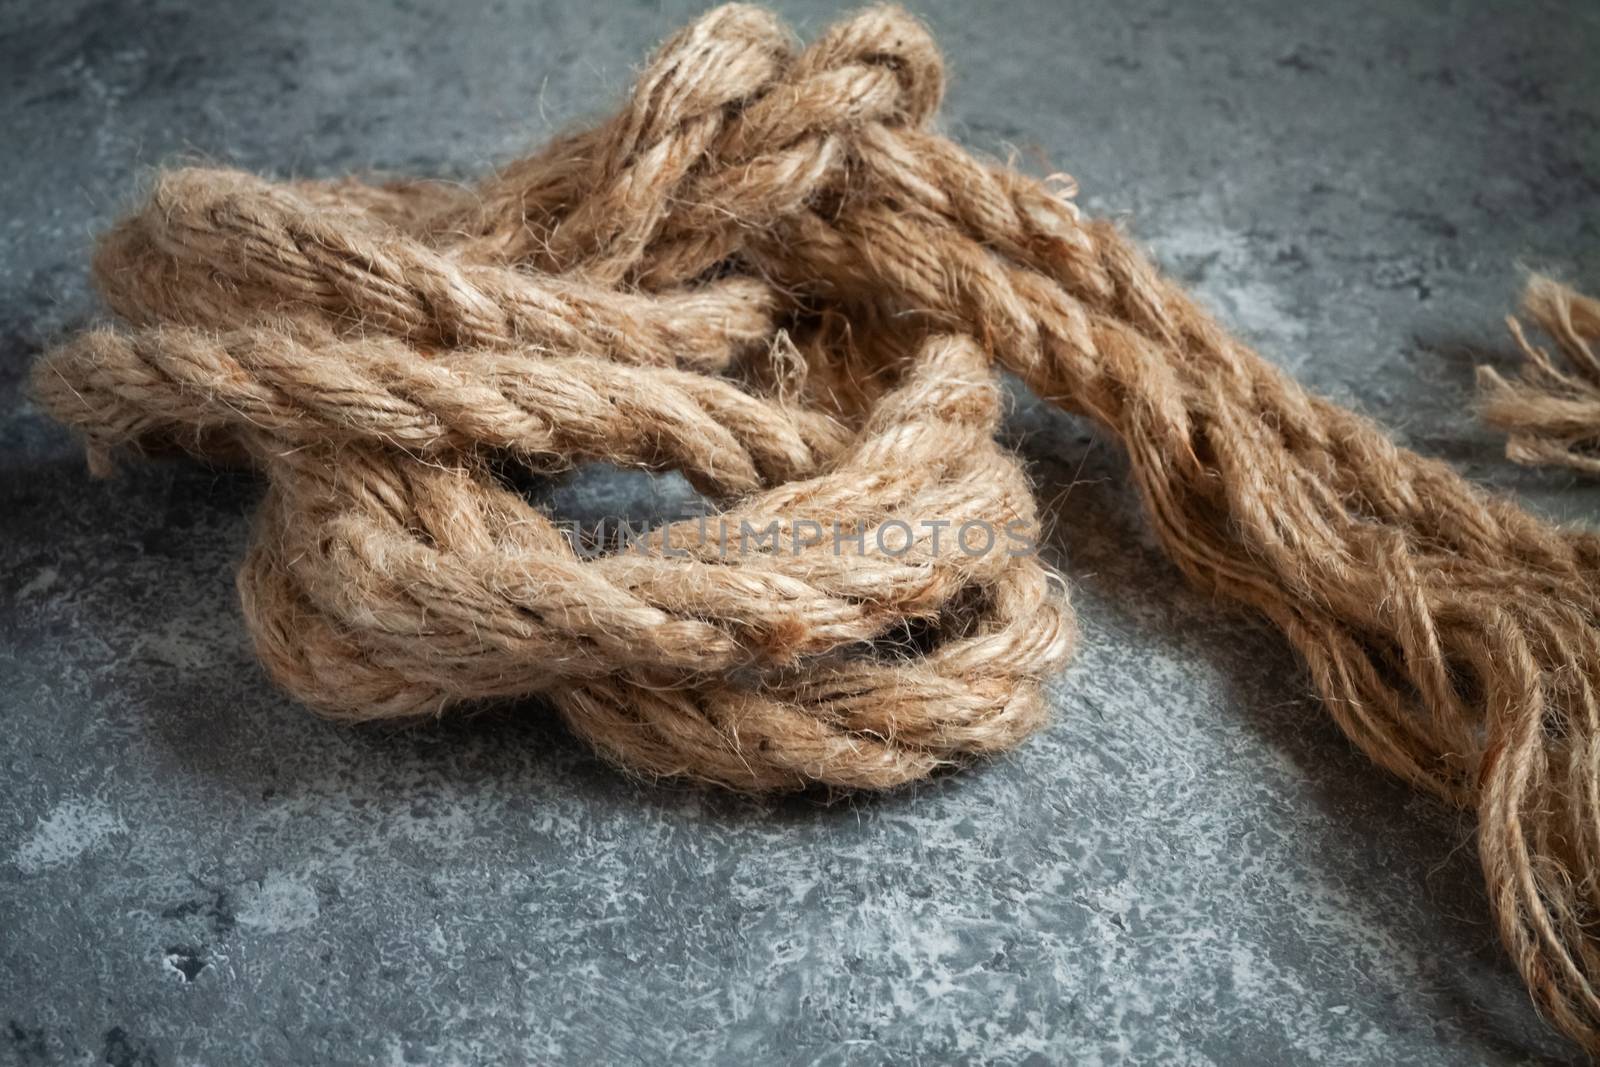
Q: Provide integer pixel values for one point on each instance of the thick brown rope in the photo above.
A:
(766, 272)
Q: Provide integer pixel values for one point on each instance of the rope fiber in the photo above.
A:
(769, 273)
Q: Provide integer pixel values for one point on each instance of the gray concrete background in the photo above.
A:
(1190, 864)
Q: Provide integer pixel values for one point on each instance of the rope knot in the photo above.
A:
(766, 274)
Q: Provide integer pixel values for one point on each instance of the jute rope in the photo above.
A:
(1552, 413)
(768, 273)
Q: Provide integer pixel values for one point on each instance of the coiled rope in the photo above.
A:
(382, 352)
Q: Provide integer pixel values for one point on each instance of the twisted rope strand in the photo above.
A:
(768, 273)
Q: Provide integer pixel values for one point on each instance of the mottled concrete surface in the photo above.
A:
(1190, 864)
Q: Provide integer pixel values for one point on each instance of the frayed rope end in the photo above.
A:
(1551, 412)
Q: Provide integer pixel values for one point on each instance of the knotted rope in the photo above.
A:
(766, 272)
